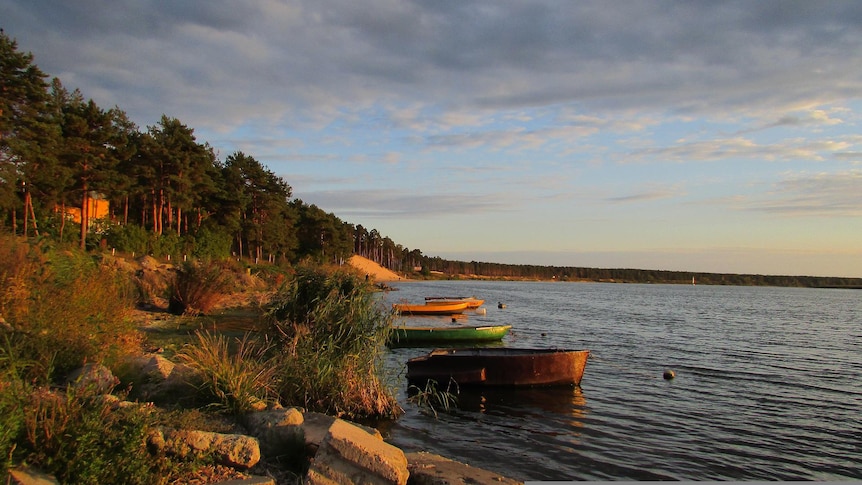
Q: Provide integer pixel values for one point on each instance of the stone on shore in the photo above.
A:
(351, 455)
(234, 450)
(28, 476)
(316, 426)
(279, 431)
(96, 376)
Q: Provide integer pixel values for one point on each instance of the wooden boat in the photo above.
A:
(408, 336)
(499, 367)
(449, 308)
(472, 301)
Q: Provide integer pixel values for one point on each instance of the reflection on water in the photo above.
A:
(568, 402)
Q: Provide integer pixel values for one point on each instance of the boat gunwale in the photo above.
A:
(455, 328)
(505, 366)
(438, 309)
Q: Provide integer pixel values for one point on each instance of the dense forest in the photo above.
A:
(164, 193)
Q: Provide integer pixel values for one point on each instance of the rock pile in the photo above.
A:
(338, 451)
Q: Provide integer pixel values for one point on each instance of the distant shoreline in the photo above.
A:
(504, 272)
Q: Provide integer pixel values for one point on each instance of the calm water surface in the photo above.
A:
(768, 384)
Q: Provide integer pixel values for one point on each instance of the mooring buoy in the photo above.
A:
(669, 374)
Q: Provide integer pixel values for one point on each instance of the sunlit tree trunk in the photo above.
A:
(85, 214)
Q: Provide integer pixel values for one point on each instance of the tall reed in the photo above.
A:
(332, 332)
(240, 379)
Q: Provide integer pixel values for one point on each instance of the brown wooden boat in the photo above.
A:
(503, 366)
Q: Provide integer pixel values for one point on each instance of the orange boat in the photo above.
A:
(447, 308)
(472, 301)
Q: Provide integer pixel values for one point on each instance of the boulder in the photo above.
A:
(29, 476)
(234, 450)
(279, 431)
(155, 378)
(351, 455)
(93, 375)
(316, 426)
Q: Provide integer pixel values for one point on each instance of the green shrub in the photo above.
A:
(11, 417)
(332, 333)
(209, 244)
(129, 238)
(80, 438)
(61, 310)
(161, 246)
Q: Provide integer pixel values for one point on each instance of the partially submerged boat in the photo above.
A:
(447, 308)
(405, 336)
(499, 367)
(472, 301)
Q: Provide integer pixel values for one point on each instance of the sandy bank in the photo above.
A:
(373, 270)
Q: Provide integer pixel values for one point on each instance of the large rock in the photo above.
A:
(96, 376)
(315, 427)
(234, 450)
(430, 469)
(155, 378)
(280, 431)
(29, 476)
(350, 455)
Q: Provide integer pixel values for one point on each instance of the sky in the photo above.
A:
(703, 136)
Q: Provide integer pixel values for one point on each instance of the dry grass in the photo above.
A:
(62, 310)
(241, 379)
(332, 335)
(197, 287)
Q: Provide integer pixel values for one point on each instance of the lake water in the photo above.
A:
(768, 384)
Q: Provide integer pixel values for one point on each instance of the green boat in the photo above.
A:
(417, 336)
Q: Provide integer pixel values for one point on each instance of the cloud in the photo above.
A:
(218, 63)
(741, 148)
(656, 193)
(813, 195)
(376, 204)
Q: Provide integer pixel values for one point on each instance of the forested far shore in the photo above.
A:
(441, 268)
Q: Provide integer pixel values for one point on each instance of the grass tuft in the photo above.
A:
(197, 287)
(431, 398)
(240, 379)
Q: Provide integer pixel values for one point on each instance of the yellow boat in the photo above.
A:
(472, 301)
(447, 308)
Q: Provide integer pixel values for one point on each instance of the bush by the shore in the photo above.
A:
(60, 309)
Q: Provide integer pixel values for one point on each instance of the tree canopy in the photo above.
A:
(167, 192)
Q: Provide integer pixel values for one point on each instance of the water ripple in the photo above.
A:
(767, 385)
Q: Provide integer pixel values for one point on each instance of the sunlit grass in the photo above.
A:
(240, 379)
(431, 397)
(332, 334)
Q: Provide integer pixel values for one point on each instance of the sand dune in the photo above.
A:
(373, 270)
